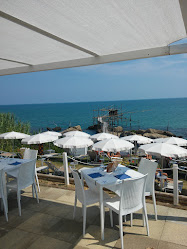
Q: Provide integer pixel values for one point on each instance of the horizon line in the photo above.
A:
(76, 102)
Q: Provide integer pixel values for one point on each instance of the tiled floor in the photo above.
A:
(50, 225)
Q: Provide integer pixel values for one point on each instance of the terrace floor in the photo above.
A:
(50, 225)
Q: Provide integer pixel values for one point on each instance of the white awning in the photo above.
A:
(44, 35)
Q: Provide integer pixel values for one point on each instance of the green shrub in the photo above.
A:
(8, 122)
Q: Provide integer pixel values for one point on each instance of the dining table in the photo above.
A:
(98, 178)
(9, 164)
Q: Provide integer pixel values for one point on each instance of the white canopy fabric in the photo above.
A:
(112, 145)
(52, 133)
(44, 35)
(39, 139)
(172, 140)
(138, 139)
(102, 136)
(73, 142)
(163, 149)
(76, 134)
(13, 135)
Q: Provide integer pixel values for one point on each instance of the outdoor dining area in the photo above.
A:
(105, 207)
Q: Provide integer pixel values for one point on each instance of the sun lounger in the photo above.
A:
(169, 186)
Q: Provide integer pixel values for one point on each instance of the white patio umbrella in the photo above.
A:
(163, 150)
(102, 136)
(13, 135)
(137, 138)
(39, 139)
(172, 140)
(76, 134)
(73, 142)
(52, 133)
(112, 145)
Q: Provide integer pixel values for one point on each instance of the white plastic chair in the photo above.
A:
(29, 155)
(86, 197)
(3, 194)
(32, 154)
(131, 199)
(148, 167)
(25, 178)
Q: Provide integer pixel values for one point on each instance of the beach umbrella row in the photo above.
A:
(39, 139)
(172, 140)
(103, 136)
(163, 149)
(137, 138)
(73, 142)
(52, 133)
(76, 134)
(13, 135)
(112, 145)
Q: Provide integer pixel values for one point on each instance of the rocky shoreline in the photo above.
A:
(150, 133)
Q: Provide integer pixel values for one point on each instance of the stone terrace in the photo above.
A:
(50, 225)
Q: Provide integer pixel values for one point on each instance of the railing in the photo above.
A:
(175, 169)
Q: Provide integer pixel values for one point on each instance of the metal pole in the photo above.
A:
(175, 185)
(65, 163)
(135, 147)
(162, 162)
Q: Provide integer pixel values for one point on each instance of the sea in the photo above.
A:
(164, 114)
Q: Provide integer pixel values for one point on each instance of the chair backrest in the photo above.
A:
(148, 167)
(132, 194)
(79, 189)
(91, 184)
(30, 154)
(26, 175)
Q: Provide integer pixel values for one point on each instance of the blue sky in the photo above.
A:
(161, 77)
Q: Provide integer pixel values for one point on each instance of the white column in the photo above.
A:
(175, 185)
(65, 163)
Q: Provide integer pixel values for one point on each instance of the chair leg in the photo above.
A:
(34, 184)
(19, 201)
(75, 205)
(32, 190)
(131, 218)
(143, 217)
(37, 181)
(5, 208)
(154, 204)
(111, 218)
(146, 219)
(84, 219)
(2, 207)
(124, 218)
(121, 230)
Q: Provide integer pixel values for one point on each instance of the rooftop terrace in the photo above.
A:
(49, 224)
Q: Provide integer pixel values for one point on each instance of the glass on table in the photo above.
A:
(102, 167)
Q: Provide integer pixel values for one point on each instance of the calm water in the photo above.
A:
(158, 114)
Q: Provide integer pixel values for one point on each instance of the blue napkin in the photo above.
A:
(95, 175)
(16, 163)
(122, 176)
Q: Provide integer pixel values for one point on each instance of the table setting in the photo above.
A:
(98, 178)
